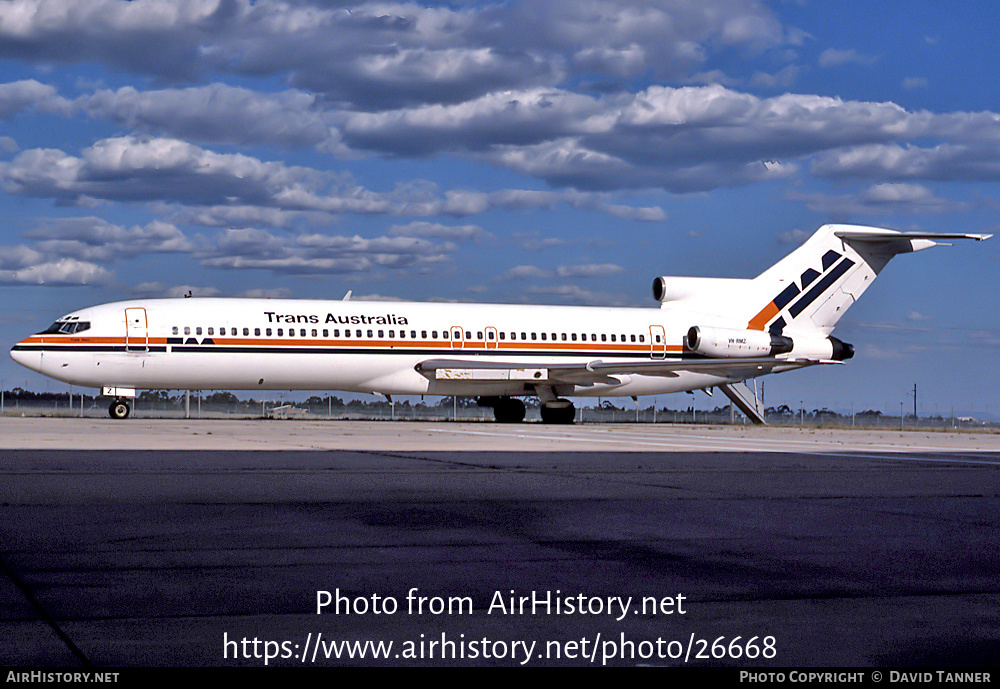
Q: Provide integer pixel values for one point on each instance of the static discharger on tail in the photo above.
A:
(707, 333)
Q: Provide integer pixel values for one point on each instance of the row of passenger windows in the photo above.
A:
(424, 334)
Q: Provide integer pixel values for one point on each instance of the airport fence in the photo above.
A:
(462, 410)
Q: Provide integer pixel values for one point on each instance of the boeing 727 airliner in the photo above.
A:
(707, 333)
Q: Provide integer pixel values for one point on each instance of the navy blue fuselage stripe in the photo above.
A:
(820, 287)
(52, 348)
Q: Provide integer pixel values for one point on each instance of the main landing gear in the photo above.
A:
(505, 409)
(511, 410)
(558, 411)
(119, 409)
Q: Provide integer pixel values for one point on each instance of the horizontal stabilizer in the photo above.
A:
(881, 235)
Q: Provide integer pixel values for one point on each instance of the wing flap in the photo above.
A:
(490, 374)
(597, 371)
(493, 371)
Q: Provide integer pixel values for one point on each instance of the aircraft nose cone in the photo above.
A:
(26, 358)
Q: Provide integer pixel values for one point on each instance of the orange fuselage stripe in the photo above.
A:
(442, 345)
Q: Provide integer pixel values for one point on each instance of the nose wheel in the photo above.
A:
(119, 409)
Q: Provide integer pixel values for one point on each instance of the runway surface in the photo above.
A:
(799, 549)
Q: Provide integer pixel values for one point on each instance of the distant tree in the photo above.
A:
(222, 398)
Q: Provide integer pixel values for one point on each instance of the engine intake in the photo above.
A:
(669, 288)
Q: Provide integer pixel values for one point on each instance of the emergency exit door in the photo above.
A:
(136, 330)
(657, 342)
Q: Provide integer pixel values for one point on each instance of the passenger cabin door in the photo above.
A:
(136, 330)
(657, 342)
(491, 338)
(457, 342)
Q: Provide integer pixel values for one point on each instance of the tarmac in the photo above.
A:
(215, 543)
(289, 434)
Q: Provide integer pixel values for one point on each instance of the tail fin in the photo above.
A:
(814, 285)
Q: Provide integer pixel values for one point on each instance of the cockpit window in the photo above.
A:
(66, 328)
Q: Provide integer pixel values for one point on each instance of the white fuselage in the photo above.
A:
(708, 332)
(274, 344)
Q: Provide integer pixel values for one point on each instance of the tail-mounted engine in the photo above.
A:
(726, 343)
(729, 343)
(670, 289)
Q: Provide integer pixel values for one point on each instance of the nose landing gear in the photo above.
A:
(119, 409)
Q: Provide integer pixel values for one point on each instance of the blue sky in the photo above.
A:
(520, 152)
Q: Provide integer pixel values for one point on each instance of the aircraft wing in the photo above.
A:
(598, 371)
